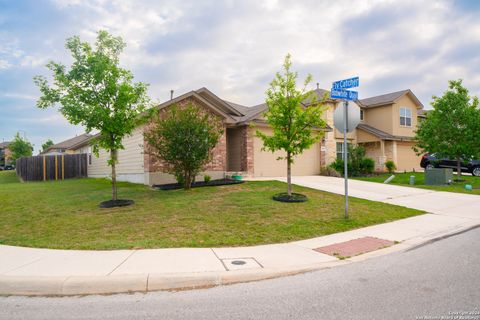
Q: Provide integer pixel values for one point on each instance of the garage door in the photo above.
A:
(406, 157)
(267, 165)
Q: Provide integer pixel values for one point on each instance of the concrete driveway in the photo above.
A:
(442, 203)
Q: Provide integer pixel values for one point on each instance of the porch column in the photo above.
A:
(382, 158)
(394, 152)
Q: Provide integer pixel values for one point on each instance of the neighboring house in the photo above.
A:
(78, 144)
(5, 153)
(386, 130)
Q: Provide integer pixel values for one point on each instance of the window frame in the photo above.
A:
(362, 115)
(337, 152)
(407, 115)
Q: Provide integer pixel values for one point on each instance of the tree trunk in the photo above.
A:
(113, 158)
(289, 174)
(187, 183)
(459, 169)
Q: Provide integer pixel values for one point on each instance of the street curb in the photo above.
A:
(112, 284)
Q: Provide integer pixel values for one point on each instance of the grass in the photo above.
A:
(65, 215)
(403, 179)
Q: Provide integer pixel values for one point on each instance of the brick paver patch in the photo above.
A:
(354, 247)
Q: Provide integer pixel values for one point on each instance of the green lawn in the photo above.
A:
(66, 215)
(404, 178)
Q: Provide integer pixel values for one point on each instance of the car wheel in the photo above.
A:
(430, 166)
(476, 171)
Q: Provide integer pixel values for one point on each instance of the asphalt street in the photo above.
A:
(441, 279)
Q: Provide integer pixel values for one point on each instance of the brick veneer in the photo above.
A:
(247, 149)
(219, 153)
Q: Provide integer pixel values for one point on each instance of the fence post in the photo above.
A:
(44, 169)
(63, 166)
(56, 167)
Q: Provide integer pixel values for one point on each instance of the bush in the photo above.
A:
(367, 166)
(207, 178)
(390, 165)
(358, 164)
(329, 172)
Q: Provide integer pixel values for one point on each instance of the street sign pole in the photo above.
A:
(345, 154)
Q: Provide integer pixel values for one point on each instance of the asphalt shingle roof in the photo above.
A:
(71, 143)
(4, 144)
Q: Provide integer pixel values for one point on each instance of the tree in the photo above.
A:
(47, 145)
(20, 148)
(97, 93)
(296, 126)
(183, 138)
(452, 128)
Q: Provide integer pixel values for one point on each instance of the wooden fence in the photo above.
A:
(54, 167)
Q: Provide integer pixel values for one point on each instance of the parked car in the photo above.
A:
(7, 167)
(432, 161)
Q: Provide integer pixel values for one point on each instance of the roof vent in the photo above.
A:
(318, 85)
(171, 94)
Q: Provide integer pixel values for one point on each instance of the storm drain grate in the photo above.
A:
(355, 247)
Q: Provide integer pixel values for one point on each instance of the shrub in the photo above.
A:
(329, 171)
(358, 164)
(390, 165)
(183, 139)
(207, 178)
(367, 166)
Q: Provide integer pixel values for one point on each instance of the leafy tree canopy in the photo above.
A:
(20, 148)
(47, 145)
(97, 93)
(452, 128)
(296, 125)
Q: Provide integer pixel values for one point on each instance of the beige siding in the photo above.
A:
(406, 157)
(380, 118)
(130, 159)
(267, 165)
(398, 130)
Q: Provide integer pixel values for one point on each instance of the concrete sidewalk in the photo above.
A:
(29, 271)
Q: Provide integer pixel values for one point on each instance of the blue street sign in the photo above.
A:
(344, 94)
(346, 84)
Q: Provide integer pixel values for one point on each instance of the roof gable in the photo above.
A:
(388, 98)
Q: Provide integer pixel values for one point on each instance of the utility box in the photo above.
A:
(438, 176)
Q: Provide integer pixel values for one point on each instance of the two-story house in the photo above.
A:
(386, 130)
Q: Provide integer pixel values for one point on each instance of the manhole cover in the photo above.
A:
(238, 262)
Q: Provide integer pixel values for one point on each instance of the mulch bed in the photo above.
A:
(116, 203)
(211, 183)
(295, 197)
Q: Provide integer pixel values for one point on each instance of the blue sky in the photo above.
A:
(235, 47)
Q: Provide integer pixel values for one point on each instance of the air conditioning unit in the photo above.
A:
(438, 176)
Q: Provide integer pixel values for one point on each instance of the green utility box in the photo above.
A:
(438, 177)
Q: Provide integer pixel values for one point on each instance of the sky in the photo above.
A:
(234, 48)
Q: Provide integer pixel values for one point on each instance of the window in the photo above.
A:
(340, 150)
(361, 115)
(405, 117)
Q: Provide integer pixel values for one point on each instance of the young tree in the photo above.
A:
(183, 138)
(97, 93)
(296, 126)
(47, 145)
(20, 148)
(452, 128)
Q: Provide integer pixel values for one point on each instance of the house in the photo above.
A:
(78, 144)
(5, 153)
(386, 130)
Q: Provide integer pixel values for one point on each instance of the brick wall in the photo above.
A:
(219, 153)
(247, 149)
